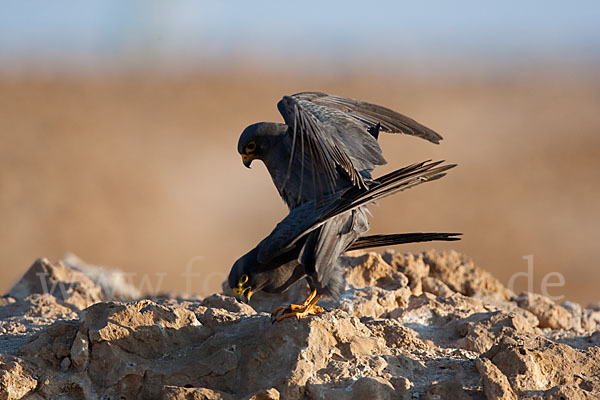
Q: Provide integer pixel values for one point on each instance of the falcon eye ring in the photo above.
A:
(243, 279)
(251, 147)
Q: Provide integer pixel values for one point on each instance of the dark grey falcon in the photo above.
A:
(291, 251)
(328, 143)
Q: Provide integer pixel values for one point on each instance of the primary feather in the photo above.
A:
(326, 144)
(313, 235)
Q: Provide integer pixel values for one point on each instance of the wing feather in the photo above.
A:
(371, 114)
(321, 151)
(312, 214)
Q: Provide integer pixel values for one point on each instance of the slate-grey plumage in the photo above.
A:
(288, 253)
(327, 145)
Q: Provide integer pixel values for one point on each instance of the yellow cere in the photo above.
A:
(240, 289)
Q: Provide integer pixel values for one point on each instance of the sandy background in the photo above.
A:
(142, 173)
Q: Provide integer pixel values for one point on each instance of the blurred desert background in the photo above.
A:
(119, 124)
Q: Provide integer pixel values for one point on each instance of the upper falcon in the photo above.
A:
(327, 143)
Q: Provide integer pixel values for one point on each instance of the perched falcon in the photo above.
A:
(294, 250)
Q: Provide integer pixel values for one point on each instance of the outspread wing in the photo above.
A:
(314, 151)
(369, 115)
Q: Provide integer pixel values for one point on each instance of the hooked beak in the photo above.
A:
(247, 159)
(244, 295)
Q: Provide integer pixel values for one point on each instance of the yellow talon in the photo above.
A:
(308, 307)
(294, 307)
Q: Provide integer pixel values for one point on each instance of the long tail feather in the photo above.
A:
(366, 242)
(396, 181)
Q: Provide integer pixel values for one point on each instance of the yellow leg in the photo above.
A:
(294, 307)
(311, 308)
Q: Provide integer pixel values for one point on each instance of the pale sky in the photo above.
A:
(115, 33)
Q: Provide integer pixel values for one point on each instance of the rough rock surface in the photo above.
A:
(408, 326)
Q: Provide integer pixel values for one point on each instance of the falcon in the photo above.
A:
(326, 143)
(326, 146)
(300, 248)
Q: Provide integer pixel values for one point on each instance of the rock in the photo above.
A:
(495, 384)
(454, 270)
(396, 335)
(435, 286)
(564, 392)
(480, 331)
(576, 312)
(227, 303)
(269, 394)
(80, 352)
(182, 393)
(450, 389)
(590, 320)
(550, 315)
(16, 380)
(19, 320)
(371, 270)
(430, 325)
(413, 267)
(538, 364)
(115, 284)
(461, 275)
(374, 301)
(363, 388)
(48, 348)
(218, 309)
(65, 364)
(70, 287)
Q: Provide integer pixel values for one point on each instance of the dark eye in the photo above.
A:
(244, 279)
(251, 147)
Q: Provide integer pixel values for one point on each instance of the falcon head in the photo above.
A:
(257, 139)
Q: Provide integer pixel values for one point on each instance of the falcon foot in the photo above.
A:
(308, 307)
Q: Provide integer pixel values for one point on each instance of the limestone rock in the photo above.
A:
(430, 325)
(16, 380)
(495, 384)
(269, 394)
(80, 352)
(550, 315)
(538, 364)
(372, 270)
(115, 284)
(71, 287)
(363, 388)
(461, 275)
(480, 331)
(182, 393)
(374, 301)
(450, 389)
(436, 287)
(412, 266)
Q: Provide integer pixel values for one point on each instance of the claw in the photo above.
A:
(299, 314)
(287, 309)
(308, 307)
(294, 307)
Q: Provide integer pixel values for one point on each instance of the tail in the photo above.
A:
(394, 182)
(308, 217)
(366, 242)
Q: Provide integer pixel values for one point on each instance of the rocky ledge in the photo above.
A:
(423, 326)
